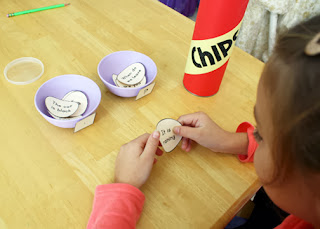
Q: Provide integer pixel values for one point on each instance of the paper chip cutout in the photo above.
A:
(114, 78)
(67, 118)
(141, 83)
(60, 108)
(85, 122)
(145, 91)
(168, 139)
(78, 97)
(132, 74)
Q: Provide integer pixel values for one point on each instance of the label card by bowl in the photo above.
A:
(168, 139)
(85, 122)
(132, 75)
(78, 97)
(145, 91)
(61, 108)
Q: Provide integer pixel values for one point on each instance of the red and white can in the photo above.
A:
(216, 30)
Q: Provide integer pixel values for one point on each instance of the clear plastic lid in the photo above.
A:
(24, 70)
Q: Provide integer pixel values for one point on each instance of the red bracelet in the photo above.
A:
(252, 146)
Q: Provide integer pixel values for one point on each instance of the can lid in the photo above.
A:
(24, 70)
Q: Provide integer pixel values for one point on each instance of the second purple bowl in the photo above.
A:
(116, 62)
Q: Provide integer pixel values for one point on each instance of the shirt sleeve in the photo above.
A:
(116, 206)
(252, 146)
(293, 222)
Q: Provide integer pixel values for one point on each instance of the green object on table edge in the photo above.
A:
(36, 10)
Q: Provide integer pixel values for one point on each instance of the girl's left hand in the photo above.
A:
(136, 158)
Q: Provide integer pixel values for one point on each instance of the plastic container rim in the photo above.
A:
(22, 59)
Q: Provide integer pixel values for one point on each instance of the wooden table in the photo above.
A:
(48, 174)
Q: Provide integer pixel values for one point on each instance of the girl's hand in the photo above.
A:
(136, 158)
(200, 128)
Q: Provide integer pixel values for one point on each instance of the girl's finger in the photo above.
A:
(188, 148)
(184, 143)
(159, 152)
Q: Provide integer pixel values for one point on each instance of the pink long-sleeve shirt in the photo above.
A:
(119, 206)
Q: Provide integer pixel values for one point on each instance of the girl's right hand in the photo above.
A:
(200, 128)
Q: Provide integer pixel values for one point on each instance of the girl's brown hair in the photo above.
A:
(292, 80)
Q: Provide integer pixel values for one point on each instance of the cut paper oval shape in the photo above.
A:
(141, 83)
(67, 118)
(67, 94)
(60, 108)
(132, 75)
(114, 78)
(78, 97)
(168, 139)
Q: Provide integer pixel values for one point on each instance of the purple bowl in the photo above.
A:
(116, 62)
(61, 85)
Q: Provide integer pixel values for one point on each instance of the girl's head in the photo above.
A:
(288, 120)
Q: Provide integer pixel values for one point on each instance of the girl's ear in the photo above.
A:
(313, 47)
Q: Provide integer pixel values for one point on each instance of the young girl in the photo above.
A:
(285, 144)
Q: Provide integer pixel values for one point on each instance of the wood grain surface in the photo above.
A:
(48, 174)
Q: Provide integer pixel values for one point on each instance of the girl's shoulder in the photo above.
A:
(293, 222)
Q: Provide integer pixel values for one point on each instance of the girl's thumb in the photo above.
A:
(152, 145)
(187, 132)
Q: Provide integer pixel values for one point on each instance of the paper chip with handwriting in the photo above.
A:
(168, 139)
(60, 108)
(140, 84)
(132, 75)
